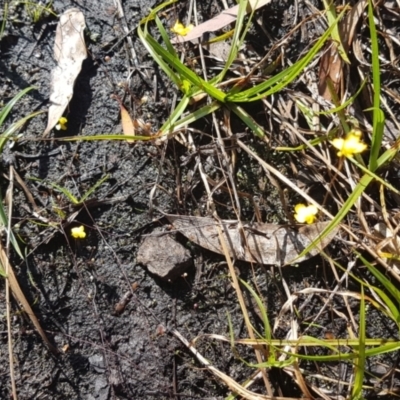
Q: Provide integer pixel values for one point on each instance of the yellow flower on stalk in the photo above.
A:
(78, 232)
(62, 124)
(350, 145)
(305, 214)
(180, 29)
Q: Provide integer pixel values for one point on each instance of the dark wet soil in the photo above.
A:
(109, 317)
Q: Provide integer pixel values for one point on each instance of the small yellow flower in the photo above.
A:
(305, 214)
(350, 145)
(180, 29)
(78, 232)
(62, 124)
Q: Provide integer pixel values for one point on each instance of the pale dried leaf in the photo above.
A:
(69, 52)
(262, 243)
(225, 18)
(127, 124)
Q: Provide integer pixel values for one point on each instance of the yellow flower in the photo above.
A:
(350, 145)
(305, 214)
(62, 124)
(78, 232)
(180, 29)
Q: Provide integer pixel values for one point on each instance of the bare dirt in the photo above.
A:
(109, 317)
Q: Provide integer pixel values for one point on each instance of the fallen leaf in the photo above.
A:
(127, 124)
(69, 52)
(331, 64)
(330, 72)
(225, 18)
(130, 126)
(348, 26)
(262, 243)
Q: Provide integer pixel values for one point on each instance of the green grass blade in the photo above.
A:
(66, 193)
(331, 17)
(262, 309)
(389, 288)
(110, 136)
(8, 107)
(146, 40)
(377, 114)
(237, 38)
(247, 119)
(352, 199)
(9, 132)
(342, 356)
(345, 104)
(94, 188)
(165, 37)
(281, 80)
(190, 118)
(156, 10)
(169, 125)
(170, 62)
(3, 24)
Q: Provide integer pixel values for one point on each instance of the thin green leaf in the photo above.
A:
(165, 37)
(352, 199)
(331, 17)
(9, 106)
(389, 287)
(66, 193)
(3, 24)
(94, 188)
(378, 118)
(281, 80)
(262, 309)
(190, 118)
(247, 119)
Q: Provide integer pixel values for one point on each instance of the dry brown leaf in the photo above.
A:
(127, 124)
(131, 127)
(263, 243)
(348, 26)
(331, 64)
(225, 18)
(330, 70)
(69, 52)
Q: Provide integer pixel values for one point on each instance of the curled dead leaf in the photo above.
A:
(262, 243)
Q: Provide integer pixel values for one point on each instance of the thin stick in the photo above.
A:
(8, 308)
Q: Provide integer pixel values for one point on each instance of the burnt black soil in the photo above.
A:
(75, 285)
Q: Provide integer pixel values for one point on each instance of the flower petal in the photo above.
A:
(180, 29)
(78, 232)
(305, 213)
